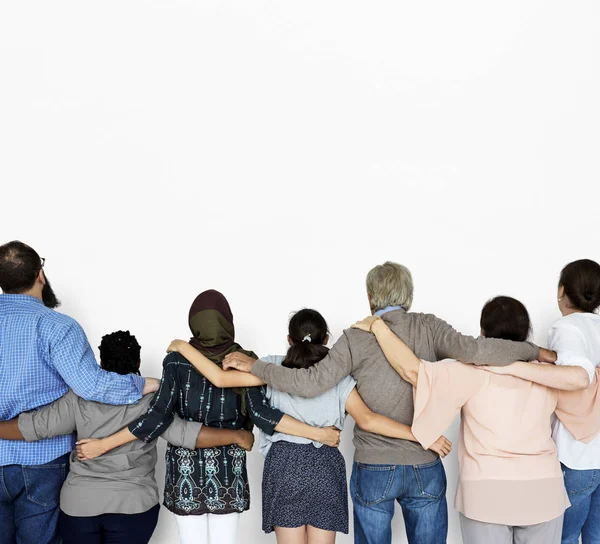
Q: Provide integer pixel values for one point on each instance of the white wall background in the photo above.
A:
(151, 149)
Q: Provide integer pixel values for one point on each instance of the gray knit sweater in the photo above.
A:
(358, 354)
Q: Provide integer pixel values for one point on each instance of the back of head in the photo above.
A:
(505, 318)
(19, 267)
(581, 282)
(308, 333)
(120, 353)
(390, 284)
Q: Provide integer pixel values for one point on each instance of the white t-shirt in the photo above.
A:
(328, 409)
(576, 339)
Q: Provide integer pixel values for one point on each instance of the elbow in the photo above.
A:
(366, 422)
(582, 381)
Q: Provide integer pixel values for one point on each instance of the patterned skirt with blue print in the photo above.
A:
(304, 485)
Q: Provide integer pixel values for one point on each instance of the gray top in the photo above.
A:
(328, 409)
(121, 481)
(358, 354)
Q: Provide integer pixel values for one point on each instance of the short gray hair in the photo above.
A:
(390, 284)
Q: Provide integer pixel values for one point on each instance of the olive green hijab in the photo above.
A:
(211, 323)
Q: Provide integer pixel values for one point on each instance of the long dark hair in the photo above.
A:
(581, 281)
(307, 330)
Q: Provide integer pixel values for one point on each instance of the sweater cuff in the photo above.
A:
(190, 436)
(258, 369)
(535, 351)
(27, 428)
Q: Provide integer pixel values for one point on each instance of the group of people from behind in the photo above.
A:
(527, 449)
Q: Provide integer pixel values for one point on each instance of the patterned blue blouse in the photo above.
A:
(209, 480)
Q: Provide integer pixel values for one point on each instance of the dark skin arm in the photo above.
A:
(9, 430)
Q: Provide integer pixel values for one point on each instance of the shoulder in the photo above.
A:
(273, 359)
(568, 323)
(174, 360)
(60, 325)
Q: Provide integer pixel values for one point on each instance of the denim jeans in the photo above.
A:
(29, 497)
(583, 516)
(421, 492)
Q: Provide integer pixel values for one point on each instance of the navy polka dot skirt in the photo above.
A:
(304, 485)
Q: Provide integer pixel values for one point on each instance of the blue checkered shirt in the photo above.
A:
(42, 354)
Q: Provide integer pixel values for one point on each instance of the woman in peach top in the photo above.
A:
(511, 487)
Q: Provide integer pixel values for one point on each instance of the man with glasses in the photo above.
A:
(43, 354)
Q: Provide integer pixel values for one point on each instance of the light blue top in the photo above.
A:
(42, 354)
(328, 409)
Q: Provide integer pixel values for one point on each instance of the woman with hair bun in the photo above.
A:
(305, 495)
(576, 339)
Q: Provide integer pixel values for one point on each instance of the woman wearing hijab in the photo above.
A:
(206, 488)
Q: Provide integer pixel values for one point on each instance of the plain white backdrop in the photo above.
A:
(276, 151)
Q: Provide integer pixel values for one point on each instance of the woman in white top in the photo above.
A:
(576, 339)
(305, 496)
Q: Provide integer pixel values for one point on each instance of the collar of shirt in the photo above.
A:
(387, 309)
(20, 298)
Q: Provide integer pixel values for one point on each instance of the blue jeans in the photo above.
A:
(583, 516)
(29, 497)
(421, 492)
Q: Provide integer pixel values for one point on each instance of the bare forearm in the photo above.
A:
(213, 438)
(376, 423)
(291, 426)
(9, 430)
(564, 378)
(214, 373)
(398, 354)
(124, 436)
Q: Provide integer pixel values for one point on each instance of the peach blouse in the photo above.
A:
(509, 471)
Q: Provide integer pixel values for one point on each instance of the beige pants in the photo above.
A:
(479, 532)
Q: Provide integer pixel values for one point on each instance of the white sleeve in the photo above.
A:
(569, 343)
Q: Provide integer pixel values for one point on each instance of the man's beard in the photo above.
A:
(48, 297)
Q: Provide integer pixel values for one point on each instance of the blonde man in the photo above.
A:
(387, 469)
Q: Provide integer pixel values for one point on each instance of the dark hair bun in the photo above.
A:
(581, 282)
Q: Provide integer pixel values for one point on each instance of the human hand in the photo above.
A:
(245, 440)
(442, 446)
(175, 346)
(367, 323)
(330, 436)
(547, 356)
(239, 361)
(90, 448)
(151, 385)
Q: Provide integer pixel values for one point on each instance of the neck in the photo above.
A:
(569, 311)
(35, 291)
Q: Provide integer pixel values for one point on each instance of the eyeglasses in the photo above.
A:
(43, 262)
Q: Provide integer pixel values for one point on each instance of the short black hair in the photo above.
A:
(505, 318)
(581, 282)
(120, 353)
(19, 267)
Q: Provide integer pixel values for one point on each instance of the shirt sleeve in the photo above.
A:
(579, 411)
(313, 381)
(442, 390)
(264, 416)
(55, 419)
(160, 414)
(181, 433)
(73, 358)
(451, 344)
(569, 343)
(345, 387)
